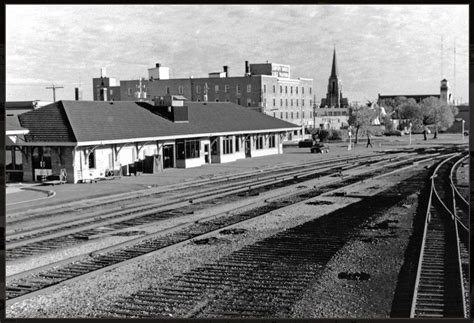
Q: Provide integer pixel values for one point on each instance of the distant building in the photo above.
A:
(333, 111)
(105, 88)
(334, 98)
(444, 95)
(13, 108)
(266, 87)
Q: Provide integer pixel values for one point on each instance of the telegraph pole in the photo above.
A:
(54, 90)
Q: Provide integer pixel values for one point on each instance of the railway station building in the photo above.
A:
(91, 139)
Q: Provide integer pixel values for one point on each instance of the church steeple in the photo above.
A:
(334, 65)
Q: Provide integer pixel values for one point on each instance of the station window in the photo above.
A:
(168, 90)
(227, 145)
(310, 102)
(274, 89)
(297, 115)
(274, 102)
(291, 101)
(281, 89)
(286, 116)
(237, 143)
(286, 89)
(291, 90)
(264, 88)
(291, 115)
(259, 144)
(91, 160)
(193, 148)
(271, 141)
(281, 102)
(302, 90)
(227, 88)
(249, 88)
(286, 102)
(180, 89)
(186, 149)
(198, 89)
(296, 88)
(296, 102)
(302, 114)
(302, 102)
(281, 115)
(237, 88)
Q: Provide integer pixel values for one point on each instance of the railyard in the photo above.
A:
(296, 235)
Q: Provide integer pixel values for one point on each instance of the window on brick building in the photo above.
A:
(249, 88)
(291, 115)
(291, 90)
(198, 89)
(302, 102)
(237, 89)
(181, 89)
(227, 88)
(216, 88)
(286, 89)
(129, 92)
(167, 90)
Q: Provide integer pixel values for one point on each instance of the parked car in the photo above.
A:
(305, 143)
(319, 148)
(393, 133)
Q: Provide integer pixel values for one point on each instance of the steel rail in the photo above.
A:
(425, 232)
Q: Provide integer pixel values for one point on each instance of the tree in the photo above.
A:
(360, 117)
(436, 112)
(410, 112)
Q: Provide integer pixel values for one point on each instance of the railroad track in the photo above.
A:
(47, 276)
(41, 241)
(264, 279)
(440, 286)
(17, 229)
(181, 188)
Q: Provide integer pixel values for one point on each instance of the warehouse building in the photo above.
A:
(91, 139)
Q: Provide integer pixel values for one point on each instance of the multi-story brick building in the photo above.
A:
(265, 87)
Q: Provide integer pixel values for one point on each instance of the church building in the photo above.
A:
(334, 97)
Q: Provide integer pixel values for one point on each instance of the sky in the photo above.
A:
(386, 49)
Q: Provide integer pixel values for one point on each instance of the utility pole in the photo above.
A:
(54, 90)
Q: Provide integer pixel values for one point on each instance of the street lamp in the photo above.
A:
(462, 133)
(410, 131)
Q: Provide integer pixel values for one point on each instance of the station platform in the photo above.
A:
(20, 199)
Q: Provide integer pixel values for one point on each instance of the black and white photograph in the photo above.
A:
(258, 161)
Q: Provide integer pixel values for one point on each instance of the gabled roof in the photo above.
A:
(88, 121)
